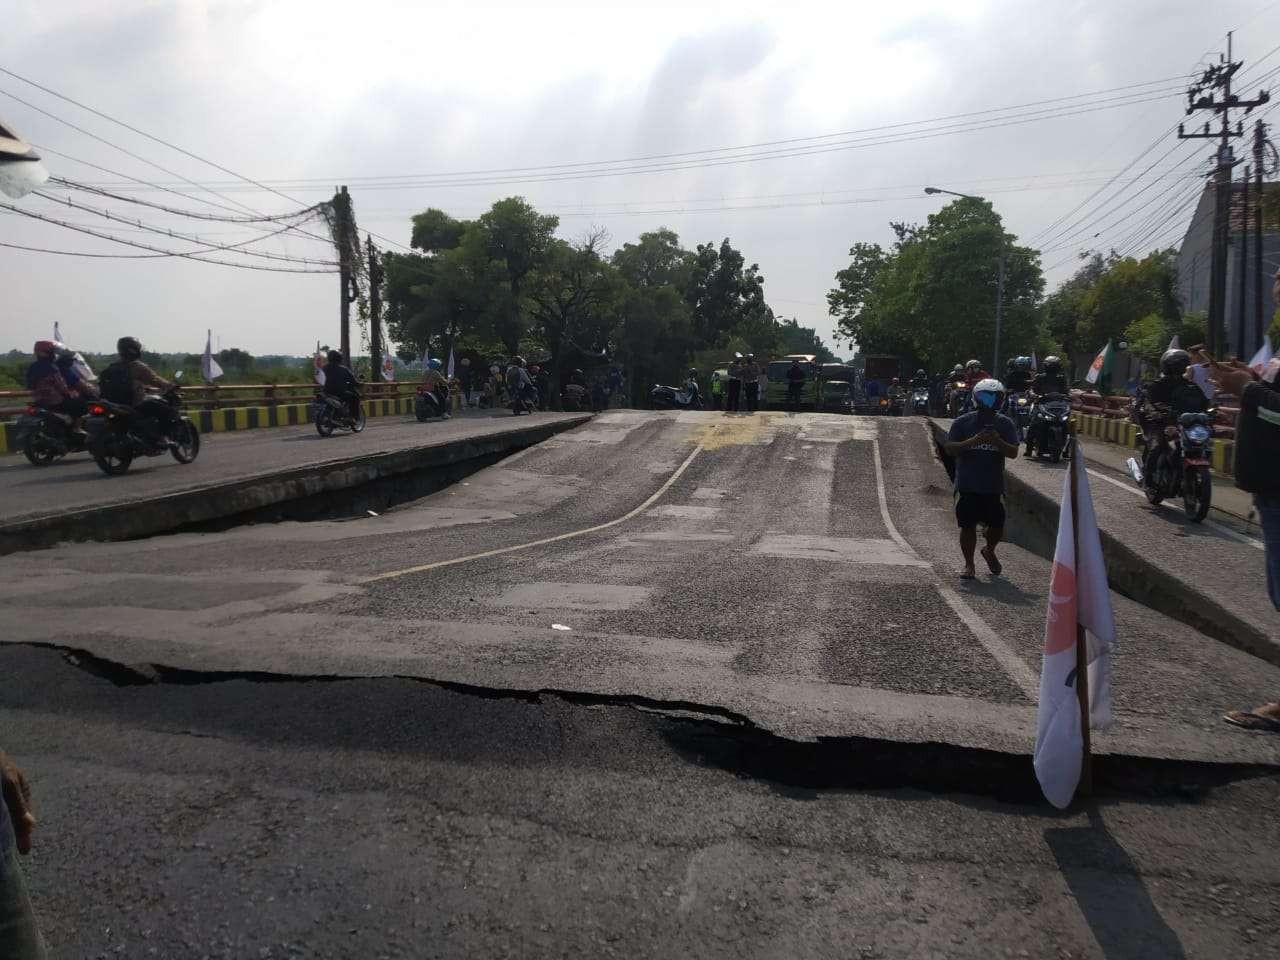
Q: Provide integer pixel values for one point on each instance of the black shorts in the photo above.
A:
(979, 508)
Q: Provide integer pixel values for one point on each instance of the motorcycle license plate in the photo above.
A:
(1196, 463)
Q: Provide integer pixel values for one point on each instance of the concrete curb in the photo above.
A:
(1125, 434)
(1130, 573)
(153, 515)
(247, 418)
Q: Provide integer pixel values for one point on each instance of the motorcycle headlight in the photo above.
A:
(1022, 401)
(1065, 419)
(1198, 433)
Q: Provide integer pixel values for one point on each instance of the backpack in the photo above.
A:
(1257, 465)
(116, 385)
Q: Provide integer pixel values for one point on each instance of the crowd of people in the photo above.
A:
(745, 384)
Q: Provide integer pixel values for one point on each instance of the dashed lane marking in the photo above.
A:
(424, 567)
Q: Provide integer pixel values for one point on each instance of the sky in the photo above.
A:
(304, 96)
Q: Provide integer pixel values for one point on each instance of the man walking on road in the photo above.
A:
(981, 441)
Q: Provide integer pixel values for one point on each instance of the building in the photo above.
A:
(1195, 258)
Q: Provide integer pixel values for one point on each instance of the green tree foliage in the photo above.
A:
(1127, 292)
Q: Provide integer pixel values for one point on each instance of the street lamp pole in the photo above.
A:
(995, 359)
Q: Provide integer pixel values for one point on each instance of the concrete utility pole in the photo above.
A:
(346, 242)
(375, 311)
(1259, 147)
(1202, 95)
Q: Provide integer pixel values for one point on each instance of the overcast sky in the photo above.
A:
(283, 91)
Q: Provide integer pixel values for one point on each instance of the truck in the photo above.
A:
(880, 371)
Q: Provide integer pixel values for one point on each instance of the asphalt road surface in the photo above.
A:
(665, 685)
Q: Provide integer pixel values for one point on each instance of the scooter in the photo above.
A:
(426, 404)
(672, 398)
(524, 401)
(1047, 434)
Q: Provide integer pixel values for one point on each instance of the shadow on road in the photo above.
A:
(1110, 893)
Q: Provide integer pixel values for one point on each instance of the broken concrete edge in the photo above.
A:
(733, 741)
(153, 515)
(1132, 574)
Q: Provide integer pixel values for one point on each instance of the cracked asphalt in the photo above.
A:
(772, 726)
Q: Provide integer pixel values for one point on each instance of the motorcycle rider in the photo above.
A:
(1050, 380)
(126, 381)
(981, 441)
(920, 381)
(439, 386)
(542, 380)
(48, 384)
(1018, 378)
(340, 382)
(519, 385)
(1165, 400)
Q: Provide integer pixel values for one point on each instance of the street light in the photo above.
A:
(995, 359)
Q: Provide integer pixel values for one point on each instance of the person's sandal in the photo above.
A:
(1248, 720)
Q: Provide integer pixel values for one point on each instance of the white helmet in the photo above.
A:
(989, 393)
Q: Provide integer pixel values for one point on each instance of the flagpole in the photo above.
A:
(1085, 787)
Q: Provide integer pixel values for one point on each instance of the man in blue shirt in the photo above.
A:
(980, 442)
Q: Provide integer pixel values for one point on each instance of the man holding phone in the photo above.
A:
(980, 442)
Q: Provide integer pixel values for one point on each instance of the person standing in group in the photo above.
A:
(980, 442)
(763, 380)
(717, 390)
(465, 380)
(796, 378)
(751, 382)
(734, 402)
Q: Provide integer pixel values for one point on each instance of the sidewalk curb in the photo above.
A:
(152, 515)
(1131, 574)
(229, 419)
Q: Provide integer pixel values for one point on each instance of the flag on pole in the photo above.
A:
(1174, 344)
(1262, 357)
(388, 366)
(318, 361)
(57, 332)
(1079, 611)
(1200, 376)
(209, 368)
(1035, 364)
(449, 369)
(1100, 369)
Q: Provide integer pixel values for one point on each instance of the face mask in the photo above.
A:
(987, 400)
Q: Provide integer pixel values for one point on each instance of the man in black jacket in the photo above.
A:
(340, 382)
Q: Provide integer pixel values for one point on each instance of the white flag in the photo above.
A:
(209, 368)
(1035, 366)
(57, 333)
(1262, 357)
(1200, 375)
(388, 366)
(449, 370)
(1077, 594)
(318, 361)
(1174, 344)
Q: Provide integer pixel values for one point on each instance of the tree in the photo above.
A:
(797, 339)
(1128, 291)
(518, 237)
(847, 300)
(233, 358)
(1064, 308)
(654, 260)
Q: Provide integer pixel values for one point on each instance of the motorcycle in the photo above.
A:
(524, 401)
(332, 413)
(957, 399)
(1182, 468)
(1018, 409)
(673, 398)
(426, 404)
(897, 402)
(119, 434)
(920, 401)
(574, 398)
(1047, 434)
(46, 436)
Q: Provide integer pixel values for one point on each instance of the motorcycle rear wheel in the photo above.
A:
(113, 463)
(324, 422)
(1197, 492)
(38, 454)
(358, 423)
(187, 442)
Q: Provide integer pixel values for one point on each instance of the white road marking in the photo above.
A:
(1213, 524)
(422, 568)
(1012, 664)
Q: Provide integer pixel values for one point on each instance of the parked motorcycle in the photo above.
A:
(1182, 467)
(1047, 434)
(426, 404)
(46, 436)
(920, 401)
(332, 413)
(119, 434)
(673, 398)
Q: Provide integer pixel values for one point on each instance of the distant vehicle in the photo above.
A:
(836, 387)
(776, 393)
(883, 370)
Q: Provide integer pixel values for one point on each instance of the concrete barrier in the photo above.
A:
(1034, 526)
(216, 501)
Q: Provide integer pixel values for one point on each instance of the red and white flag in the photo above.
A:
(1078, 594)
(319, 365)
(388, 366)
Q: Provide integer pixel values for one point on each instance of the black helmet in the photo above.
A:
(129, 348)
(1052, 364)
(1174, 363)
(335, 356)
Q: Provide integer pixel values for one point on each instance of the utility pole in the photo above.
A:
(1243, 272)
(375, 311)
(1259, 145)
(1203, 95)
(347, 244)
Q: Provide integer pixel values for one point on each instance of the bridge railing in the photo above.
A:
(219, 396)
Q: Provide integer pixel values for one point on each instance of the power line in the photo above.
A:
(190, 238)
(191, 214)
(190, 255)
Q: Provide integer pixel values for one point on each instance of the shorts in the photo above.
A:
(986, 509)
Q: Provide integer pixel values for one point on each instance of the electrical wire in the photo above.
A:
(190, 214)
(192, 255)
